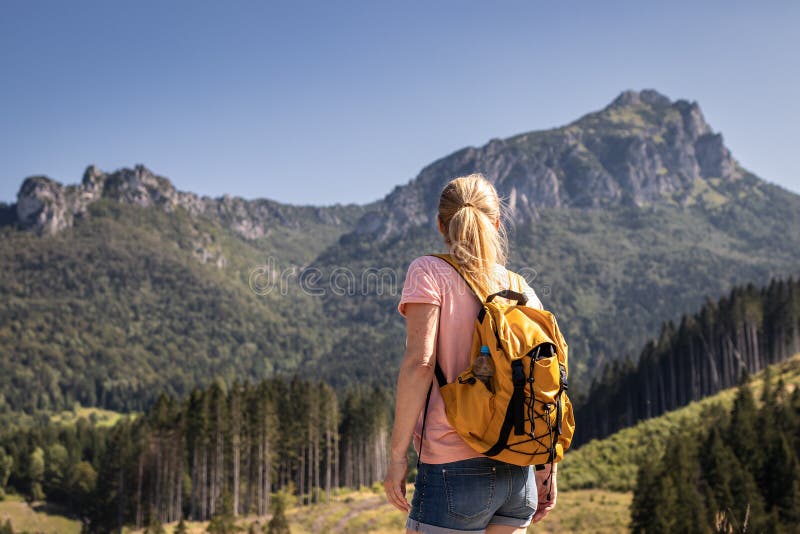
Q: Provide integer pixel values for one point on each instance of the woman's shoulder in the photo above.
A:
(430, 268)
(430, 264)
(436, 273)
(424, 260)
(425, 282)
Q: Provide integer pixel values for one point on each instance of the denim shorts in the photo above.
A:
(468, 495)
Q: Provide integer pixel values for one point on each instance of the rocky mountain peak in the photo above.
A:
(655, 107)
(649, 97)
(642, 148)
(91, 176)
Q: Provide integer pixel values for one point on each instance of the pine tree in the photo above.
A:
(224, 521)
(664, 516)
(747, 499)
(689, 513)
(783, 480)
(154, 526)
(646, 496)
(36, 474)
(235, 422)
(278, 524)
(718, 464)
(742, 434)
(6, 464)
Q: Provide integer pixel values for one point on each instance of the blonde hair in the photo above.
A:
(469, 208)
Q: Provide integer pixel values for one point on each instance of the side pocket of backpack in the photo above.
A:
(470, 406)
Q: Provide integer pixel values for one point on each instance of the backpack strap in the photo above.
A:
(442, 381)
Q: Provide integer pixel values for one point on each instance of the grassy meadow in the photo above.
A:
(36, 517)
(352, 512)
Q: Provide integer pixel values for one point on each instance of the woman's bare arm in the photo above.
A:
(413, 381)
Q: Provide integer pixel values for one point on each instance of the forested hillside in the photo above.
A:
(739, 471)
(707, 352)
(708, 465)
(120, 288)
(612, 463)
(119, 309)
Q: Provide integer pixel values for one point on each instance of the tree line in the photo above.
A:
(707, 352)
(220, 451)
(738, 472)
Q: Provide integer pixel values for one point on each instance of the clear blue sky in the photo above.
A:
(323, 102)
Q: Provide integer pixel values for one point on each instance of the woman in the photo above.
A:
(456, 489)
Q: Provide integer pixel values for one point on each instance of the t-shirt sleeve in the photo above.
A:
(420, 286)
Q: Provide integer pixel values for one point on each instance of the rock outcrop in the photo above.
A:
(47, 207)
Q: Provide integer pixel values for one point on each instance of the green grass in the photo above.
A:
(611, 463)
(98, 416)
(705, 193)
(35, 518)
(11, 421)
(363, 511)
(592, 510)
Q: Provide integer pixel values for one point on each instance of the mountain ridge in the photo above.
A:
(153, 281)
(576, 173)
(47, 206)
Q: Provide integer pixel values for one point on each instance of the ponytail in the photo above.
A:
(469, 210)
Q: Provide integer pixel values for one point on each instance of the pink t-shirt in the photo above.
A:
(432, 280)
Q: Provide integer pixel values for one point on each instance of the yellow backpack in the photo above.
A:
(527, 419)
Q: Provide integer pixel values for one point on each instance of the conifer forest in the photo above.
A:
(707, 352)
(190, 458)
